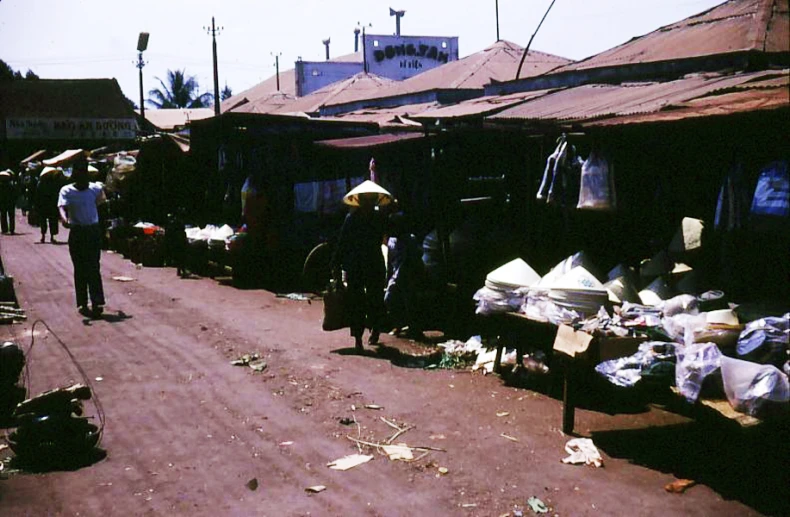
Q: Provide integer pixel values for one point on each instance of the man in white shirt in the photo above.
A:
(78, 205)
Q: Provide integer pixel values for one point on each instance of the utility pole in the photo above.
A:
(142, 44)
(214, 30)
(497, 19)
(277, 67)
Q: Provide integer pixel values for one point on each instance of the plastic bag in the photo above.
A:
(627, 371)
(772, 194)
(490, 301)
(765, 341)
(681, 327)
(695, 362)
(597, 185)
(749, 386)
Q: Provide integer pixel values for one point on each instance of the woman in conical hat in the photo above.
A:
(358, 253)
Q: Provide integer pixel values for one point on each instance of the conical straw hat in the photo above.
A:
(514, 273)
(370, 189)
(48, 170)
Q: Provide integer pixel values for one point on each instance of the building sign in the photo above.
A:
(71, 129)
(401, 57)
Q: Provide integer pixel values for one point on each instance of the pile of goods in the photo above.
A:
(50, 429)
(12, 360)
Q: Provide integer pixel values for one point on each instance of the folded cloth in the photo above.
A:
(583, 450)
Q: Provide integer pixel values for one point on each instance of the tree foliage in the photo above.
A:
(179, 91)
(226, 93)
(9, 74)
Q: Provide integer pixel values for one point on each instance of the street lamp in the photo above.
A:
(142, 44)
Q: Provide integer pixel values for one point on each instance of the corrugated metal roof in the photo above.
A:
(591, 102)
(366, 142)
(479, 107)
(168, 119)
(261, 90)
(739, 101)
(269, 103)
(389, 118)
(497, 62)
(361, 84)
(737, 25)
(269, 86)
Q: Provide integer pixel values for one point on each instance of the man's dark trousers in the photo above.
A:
(85, 251)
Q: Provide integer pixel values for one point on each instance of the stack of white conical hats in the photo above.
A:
(513, 275)
(579, 290)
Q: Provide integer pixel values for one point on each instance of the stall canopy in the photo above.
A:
(369, 142)
(63, 158)
(35, 156)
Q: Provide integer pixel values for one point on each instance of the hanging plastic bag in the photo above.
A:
(772, 194)
(597, 185)
(750, 386)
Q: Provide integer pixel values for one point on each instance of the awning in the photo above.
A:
(34, 156)
(368, 142)
(63, 157)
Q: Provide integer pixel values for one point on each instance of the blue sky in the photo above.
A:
(98, 38)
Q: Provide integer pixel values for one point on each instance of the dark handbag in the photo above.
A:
(335, 307)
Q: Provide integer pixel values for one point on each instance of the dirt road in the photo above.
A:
(186, 431)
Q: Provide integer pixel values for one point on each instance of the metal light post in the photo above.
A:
(214, 30)
(142, 44)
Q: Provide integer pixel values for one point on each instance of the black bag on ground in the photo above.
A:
(336, 307)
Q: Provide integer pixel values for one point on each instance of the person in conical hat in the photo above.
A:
(358, 253)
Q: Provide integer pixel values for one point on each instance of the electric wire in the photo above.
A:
(94, 396)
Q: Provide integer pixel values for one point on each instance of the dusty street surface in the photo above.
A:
(187, 431)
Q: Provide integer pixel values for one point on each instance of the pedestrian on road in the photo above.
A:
(8, 194)
(46, 201)
(78, 206)
(359, 255)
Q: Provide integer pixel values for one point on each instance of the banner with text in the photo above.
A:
(71, 129)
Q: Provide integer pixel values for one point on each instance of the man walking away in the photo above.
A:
(46, 201)
(78, 208)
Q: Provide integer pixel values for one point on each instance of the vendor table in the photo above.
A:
(581, 352)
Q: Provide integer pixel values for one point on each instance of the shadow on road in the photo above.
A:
(748, 465)
(109, 317)
(58, 463)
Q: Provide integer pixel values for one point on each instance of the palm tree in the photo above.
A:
(181, 91)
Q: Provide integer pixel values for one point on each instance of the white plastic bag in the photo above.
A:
(695, 362)
(597, 184)
(749, 386)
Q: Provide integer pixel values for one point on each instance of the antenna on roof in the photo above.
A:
(524, 55)
(326, 44)
(398, 15)
(356, 39)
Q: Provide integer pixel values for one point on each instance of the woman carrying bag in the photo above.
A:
(358, 254)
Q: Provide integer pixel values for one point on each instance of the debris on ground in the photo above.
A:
(679, 486)
(346, 421)
(443, 471)
(373, 406)
(254, 361)
(123, 279)
(399, 451)
(508, 437)
(502, 413)
(536, 505)
(252, 484)
(583, 451)
(9, 313)
(315, 489)
(349, 462)
(457, 354)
